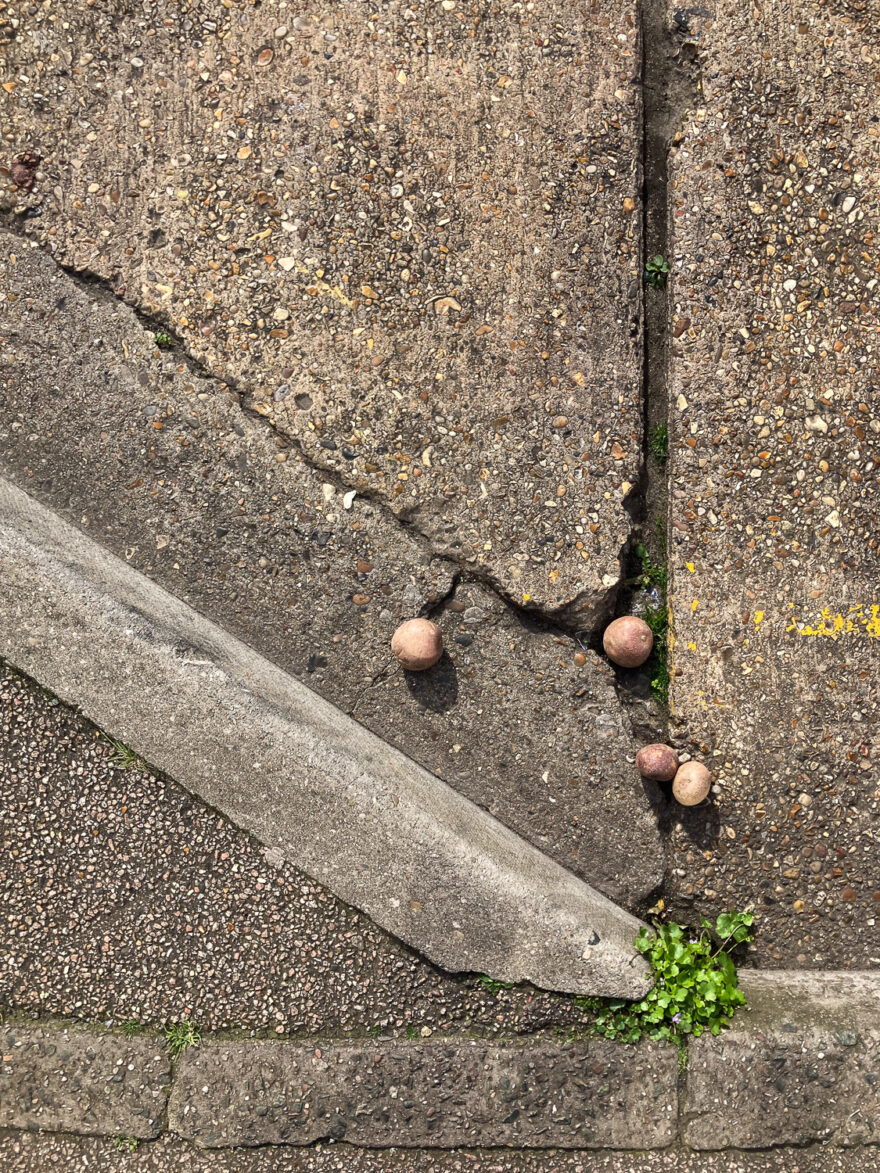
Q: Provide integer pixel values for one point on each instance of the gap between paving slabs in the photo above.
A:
(354, 813)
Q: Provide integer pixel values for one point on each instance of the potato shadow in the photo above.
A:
(701, 824)
(436, 689)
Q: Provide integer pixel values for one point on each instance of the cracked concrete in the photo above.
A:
(216, 507)
(451, 323)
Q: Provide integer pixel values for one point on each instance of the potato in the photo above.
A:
(691, 783)
(628, 641)
(657, 762)
(417, 644)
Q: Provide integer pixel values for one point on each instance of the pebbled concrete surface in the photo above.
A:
(152, 907)
(74, 1080)
(584, 1095)
(799, 1065)
(139, 449)
(33, 1154)
(775, 441)
(448, 318)
(381, 832)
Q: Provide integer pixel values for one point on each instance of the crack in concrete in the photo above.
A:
(561, 621)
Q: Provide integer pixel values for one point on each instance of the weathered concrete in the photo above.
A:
(774, 212)
(163, 465)
(25, 1153)
(79, 1080)
(411, 232)
(161, 909)
(354, 813)
(585, 1095)
(802, 1064)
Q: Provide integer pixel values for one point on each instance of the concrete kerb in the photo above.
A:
(380, 831)
(799, 1066)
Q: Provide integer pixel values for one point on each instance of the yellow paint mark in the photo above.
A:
(858, 620)
(759, 619)
(694, 605)
(690, 567)
(692, 647)
(322, 287)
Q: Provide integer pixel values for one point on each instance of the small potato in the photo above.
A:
(417, 644)
(691, 783)
(657, 762)
(628, 641)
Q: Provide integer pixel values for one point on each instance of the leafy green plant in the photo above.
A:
(131, 1027)
(163, 341)
(652, 573)
(658, 442)
(657, 271)
(695, 983)
(494, 987)
(179, 1036)
(125, 1144)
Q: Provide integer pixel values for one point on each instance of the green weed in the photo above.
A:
(657, 272)
(657, 618)
(125, 1144)
(179, 1036)
(131, 1027)
(658, 442)
(695, 984)
(652, 573)
(494, 987)
(123, 756)
(163, 341)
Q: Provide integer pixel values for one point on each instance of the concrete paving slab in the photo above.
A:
(412, 233)
(77, 1080)
(802, 1064)
(158, 909)
(136, 446)
(310, 782)
(774, 491)
(584, 1095)
(23, 1153)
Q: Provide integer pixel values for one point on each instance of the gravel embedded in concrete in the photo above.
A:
(125, 899)
(774, 431)
(28, 1153)
(161, 464)
(448, 318)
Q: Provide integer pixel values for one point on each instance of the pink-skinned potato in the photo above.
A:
(657, 762)
(417, 645)
(628, 641)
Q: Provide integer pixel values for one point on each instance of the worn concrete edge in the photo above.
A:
(834, 996)
(377, 829)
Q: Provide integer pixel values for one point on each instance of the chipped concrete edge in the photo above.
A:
(377, 829)
(797, 1067)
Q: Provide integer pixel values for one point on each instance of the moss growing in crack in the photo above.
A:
(657, 618)
(493, 985)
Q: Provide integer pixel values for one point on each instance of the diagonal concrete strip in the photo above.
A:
(359, 816)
